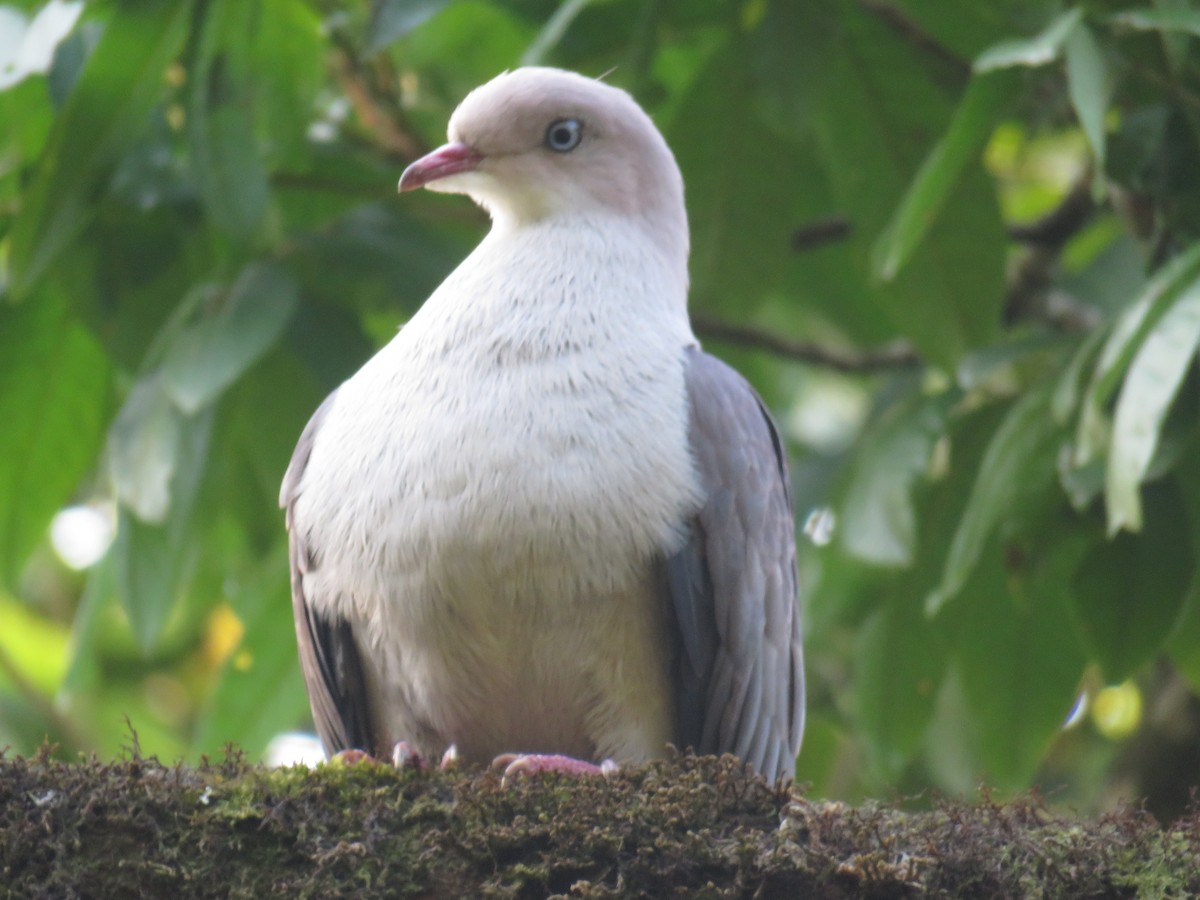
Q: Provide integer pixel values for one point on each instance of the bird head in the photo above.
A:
(536, 143)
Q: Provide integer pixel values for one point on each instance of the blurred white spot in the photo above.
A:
(322, 132)
(337, 110)
(828, 413)
(80, 535)
(294, 748)
(206, 797)
(820, 525)
(44, 798)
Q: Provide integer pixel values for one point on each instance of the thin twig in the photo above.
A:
(911, 31)
(896, 356)
(375, 105)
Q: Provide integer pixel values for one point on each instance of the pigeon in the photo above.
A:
(541, 524)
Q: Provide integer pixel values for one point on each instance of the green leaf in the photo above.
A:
(738, 175)
(143, 449)
(54, 400)
(1069, 392)
(1184, 643)
(228, 166)
(147, 570)
(1184, 19)
(1123, 341)
(1016, 657)
(105, 114)
(901, 659)
(1020, 462)
(877, 116)
(1128, 592)
(208, 356)
(1035, 51)
(288, 59)
(1087, 82)
(1151, 384)
(394, 19)
(973, 121)
(877, 522)
(152, 558)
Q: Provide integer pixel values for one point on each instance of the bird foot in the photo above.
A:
(405, 757)
(514, 764)
(351, 757)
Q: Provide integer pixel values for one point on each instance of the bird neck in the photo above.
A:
(582, 279)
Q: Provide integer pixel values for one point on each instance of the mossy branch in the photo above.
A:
(686, 827)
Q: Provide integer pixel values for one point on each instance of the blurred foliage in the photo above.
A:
(956, 246)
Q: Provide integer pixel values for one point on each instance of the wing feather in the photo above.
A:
(328, 652)
(733, 585)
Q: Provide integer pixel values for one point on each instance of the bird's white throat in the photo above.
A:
(521, 437)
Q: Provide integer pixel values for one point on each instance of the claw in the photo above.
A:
(405, 757)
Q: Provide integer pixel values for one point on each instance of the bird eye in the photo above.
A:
(564, 135)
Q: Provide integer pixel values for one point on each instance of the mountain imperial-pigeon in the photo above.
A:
(541, 519)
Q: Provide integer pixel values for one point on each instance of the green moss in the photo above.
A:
(687, 827)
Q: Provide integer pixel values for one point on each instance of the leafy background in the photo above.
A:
(955, 245)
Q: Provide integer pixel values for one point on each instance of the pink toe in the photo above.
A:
(538, 763)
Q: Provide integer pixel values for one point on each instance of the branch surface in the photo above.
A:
(684, 827)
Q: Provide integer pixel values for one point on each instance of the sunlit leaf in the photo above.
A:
(35, 645)
(1035, 51)
(1151, 384)
(105, 113)
(1123, 341)
(1183, 18)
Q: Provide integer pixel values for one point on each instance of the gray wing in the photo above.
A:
(328, 654)
(739, 670)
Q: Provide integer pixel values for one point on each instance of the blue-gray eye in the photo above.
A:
(564, 135)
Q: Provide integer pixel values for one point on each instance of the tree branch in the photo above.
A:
(816, 234)
(896, 356)
(1031, 272)
(376, 106)
(911, 31)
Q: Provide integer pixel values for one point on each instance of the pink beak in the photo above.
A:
(449, 159)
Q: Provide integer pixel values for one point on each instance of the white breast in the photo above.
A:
(486, 495)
